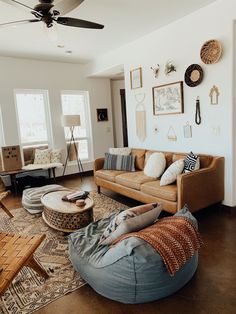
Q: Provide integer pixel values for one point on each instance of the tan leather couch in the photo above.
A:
(198, 189)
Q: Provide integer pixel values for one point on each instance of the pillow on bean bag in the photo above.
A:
(132, 219)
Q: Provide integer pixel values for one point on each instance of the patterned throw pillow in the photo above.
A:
(119, 162)
(171, 173)
(130, 220)
(42, 156)
(120, 151)
(191, 162)
(56, 156)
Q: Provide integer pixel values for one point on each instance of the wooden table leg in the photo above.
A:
(13, 182)
(6, 210)
(36, 267)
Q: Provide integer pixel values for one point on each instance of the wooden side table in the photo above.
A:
(66, 216)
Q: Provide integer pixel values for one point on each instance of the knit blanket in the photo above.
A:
(175, 238)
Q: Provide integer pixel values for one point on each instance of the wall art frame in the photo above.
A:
(136, 80)
(102, 114)
(168, 98)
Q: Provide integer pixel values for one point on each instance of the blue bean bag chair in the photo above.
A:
(130, 272)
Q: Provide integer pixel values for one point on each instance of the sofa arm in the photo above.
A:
(203, 187)
(98, 164)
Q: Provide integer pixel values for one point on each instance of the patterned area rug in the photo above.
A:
(29, 292)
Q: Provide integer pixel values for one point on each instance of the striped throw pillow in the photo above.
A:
(191, 162)
(119, 162)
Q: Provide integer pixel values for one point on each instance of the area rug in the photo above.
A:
(28, 291)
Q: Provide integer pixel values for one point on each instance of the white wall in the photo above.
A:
(54, 77)
(116, 86)
(181, 42)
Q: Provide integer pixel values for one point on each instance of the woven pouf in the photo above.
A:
(31, 198)
(129, 272)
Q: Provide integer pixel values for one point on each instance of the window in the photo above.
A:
(1, 130)
(33, 117)
(74, 103)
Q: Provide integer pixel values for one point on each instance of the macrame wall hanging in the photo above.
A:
(171, 135)
(140, 116)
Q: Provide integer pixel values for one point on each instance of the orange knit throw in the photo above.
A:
(175, 238)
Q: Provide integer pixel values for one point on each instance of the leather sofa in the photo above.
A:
(197, 189)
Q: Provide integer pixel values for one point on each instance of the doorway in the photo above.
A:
(124, 117)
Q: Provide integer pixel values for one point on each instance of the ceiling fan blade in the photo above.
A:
(18, 4)
(69, 21)
(66, 6)
(19, 22)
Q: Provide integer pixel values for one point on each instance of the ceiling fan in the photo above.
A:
(45, 11)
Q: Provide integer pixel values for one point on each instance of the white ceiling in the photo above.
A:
(124, 20)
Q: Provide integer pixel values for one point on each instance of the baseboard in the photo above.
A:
(228, 209)
(76, 175)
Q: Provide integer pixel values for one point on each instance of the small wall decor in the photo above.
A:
(156, 70)
(187, 130)
(198, 118)
(136, 78)
(11, 158)
(102, 114)
(169, 67)
(168, 98)
(171, 135)
(211, 51)
(214, 95)
(140, 116)
(193, 75)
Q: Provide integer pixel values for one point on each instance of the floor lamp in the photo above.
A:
(72, 121)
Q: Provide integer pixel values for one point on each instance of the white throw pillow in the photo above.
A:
(171, 173)
(56, 156)
(155, 165)
(42, 156)
(120, 151)
(130, 220)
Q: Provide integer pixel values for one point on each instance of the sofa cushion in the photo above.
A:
(168, 192)
(168, 156)
(139, 158)
(171, 173)
(133, 180)
(120, 150)
(191, 163)
(155, 165)
(108, 175)
(205, 160)
(119, 162)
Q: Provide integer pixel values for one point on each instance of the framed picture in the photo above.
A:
(102, 114)
(136, 78)
(168, 99)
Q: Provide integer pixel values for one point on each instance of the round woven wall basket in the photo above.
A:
(211, 51)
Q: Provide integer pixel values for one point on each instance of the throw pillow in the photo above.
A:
(120, 151)
(42, 156)
(130, 220)
(171, 173)
(191, 162)
(155, 165)
(119, 162)
(56, 156)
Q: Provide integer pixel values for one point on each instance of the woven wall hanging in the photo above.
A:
(211, 51)
(193, 75)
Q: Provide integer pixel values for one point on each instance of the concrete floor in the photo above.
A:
(212, 290)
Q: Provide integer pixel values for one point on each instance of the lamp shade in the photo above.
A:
(70, 120)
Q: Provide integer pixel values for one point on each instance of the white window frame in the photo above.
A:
(47, 116)
(87, 117)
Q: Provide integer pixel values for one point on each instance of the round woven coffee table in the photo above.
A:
(65, 216)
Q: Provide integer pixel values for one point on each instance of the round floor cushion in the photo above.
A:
(130, 272)
(31, 198)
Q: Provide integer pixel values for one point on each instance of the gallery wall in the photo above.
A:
(181, 42)
(54, 77)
